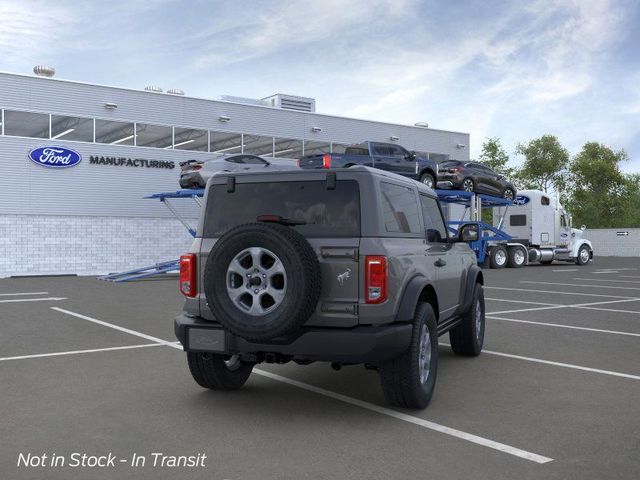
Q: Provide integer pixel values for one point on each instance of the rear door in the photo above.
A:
(383, 157)
(332, 227)
(443, 257)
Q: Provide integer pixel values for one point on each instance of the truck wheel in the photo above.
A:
(428, 180)
(517, 257)
(498, 256)
(408, 381)
(262, 280)
(468, 337)
(584, 255)
(218, 372)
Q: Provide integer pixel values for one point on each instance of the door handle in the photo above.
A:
(440, 263)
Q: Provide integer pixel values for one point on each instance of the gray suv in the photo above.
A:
(346, 266)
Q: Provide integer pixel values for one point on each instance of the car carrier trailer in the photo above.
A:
(532, 228)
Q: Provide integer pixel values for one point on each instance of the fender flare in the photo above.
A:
(474, 275)
(410, 296)
(576, 247)
(430, 171)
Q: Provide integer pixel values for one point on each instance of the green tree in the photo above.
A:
(545, 163)
(600, 195)
(495, 157)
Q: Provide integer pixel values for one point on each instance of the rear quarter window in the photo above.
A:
(399, 209)
(517, 220)
(327, 213)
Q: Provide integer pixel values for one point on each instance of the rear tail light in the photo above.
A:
(188, 275)
(298, 162)
(326, 160)
(454, 170)
(196, 167)
(375, 282)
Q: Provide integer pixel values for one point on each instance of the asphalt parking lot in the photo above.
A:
(90, 366)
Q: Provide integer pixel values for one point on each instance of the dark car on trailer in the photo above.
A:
(474, 177)
(383, 156)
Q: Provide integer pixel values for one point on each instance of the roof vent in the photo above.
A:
(175, 91)
(44, 71)
(244, 100)
(292, 102)
(153, 88)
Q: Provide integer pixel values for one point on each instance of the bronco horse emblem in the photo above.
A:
(342, 277)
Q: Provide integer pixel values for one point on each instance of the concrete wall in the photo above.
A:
(84, 245)
(613, 242)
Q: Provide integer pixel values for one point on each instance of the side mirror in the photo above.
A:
(410, 156)
(468, 233)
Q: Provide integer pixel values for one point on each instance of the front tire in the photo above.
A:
(428, 180)
(508, 193)
(408, 381)
(218, 372)
(467, 338)
(468, 185)
(584, 255)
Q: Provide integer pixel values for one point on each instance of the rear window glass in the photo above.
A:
(400, 209)
(518, 220)
(356, 151)
(328, 213)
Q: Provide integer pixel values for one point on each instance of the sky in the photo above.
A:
(509, 69)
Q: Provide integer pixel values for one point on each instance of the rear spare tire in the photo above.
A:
(262, 280)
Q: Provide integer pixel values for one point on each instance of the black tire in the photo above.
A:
(583, 258)
(428, 180)
(300, 283)
(509, 193)
(499, 256)
(468, 185)
(210, 370)
(468, 337)
(515, 260)
(400, 377)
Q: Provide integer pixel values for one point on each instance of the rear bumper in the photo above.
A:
(363, 344)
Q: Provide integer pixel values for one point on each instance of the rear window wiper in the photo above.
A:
(281, 220)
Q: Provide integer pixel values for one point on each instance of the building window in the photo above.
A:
(115, 133)
(258, 145)
(316, 148)
(71, 128)
(400, 209)
(225, 143)
(438, 157)
(190, 139)
(157, 136)
(26, 124)
(287, 148)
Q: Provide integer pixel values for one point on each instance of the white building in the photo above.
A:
(91, 218)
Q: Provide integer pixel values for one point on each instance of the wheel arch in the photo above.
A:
(474, 275)
(419, 289)
(430, 171)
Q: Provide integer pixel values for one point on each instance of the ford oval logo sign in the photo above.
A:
(55, 157)
(521, 200)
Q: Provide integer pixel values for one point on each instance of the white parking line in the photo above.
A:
(47, 299)
(520, 301)
(580, 294)
(76, 352)
(23, 293)
(567, 270)
(581, 285)
(605, 280)
(117, 327)
(629, 276)
(369, 406)
(576, 305)
(559, 325)
(558, 364)
(533, 457)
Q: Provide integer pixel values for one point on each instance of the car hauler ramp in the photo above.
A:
(169, 266)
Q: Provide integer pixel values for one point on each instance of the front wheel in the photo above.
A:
(408, 381)
(468, 185)
(508, 193)
(428, 180)
(468, 337)
(584, 255)
(218, 372)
